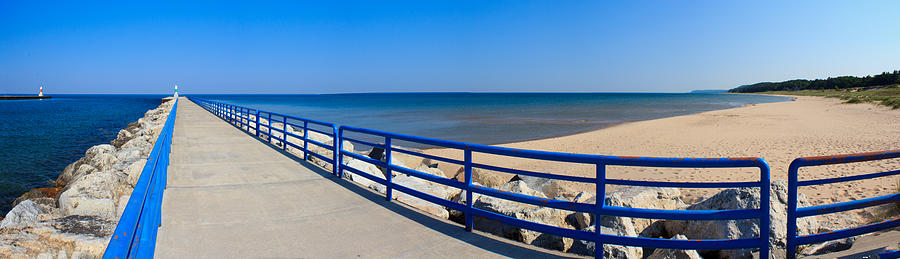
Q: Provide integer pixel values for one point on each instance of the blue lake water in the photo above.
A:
(39, 138)
(490, 118)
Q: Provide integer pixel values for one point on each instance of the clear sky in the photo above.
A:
(376, 46)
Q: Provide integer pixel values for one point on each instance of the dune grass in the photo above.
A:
(887, 95)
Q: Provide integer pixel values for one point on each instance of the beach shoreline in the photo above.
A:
(778, 132)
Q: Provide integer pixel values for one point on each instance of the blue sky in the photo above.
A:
(483, 46)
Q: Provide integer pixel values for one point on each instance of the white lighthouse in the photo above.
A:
(176, 90)
(41, 91)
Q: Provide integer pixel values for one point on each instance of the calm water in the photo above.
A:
(490, 118)
(39, 138)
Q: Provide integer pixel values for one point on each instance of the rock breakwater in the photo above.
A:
(74, 218)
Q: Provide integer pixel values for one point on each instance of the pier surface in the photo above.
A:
(232, 196)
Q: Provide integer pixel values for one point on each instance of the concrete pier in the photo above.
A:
(232, 196)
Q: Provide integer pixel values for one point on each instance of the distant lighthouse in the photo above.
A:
(41, 91)
(176, 90)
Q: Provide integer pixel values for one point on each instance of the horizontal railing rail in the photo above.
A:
(794, 240)
(135, 233)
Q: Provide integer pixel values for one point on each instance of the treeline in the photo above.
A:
(842, 82)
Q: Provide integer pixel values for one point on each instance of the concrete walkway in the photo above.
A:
(232, 196)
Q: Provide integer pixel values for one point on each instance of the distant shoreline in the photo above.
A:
(13, 97)
(778, 132)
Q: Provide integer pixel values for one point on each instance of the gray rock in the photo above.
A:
(25, 212)
(583, 220)
(744, 198)
(94, 194)
(674, 253)
(830, 246)
(609, 251)
(134, 171)
(634, 197)
(129, 155)
(550, 187)
(99, 149)
(484, 177)
(364, 167)
(522, 211)
(431, 170)
(425, 187)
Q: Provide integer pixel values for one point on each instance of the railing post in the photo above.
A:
(764, 224)
(284, 133)
(269, 127)
(257, 123)
(305, 140)
(599, 202)
(793, 169)
(338, 145)
(388, 194)
(470, 217)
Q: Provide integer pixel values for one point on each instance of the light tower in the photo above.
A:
(176, 90)
(41, 91)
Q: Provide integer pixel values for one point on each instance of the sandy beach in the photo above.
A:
(777, 132)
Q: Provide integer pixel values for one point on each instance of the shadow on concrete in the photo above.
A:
(487, 241)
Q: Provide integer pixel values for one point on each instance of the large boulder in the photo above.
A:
(25, 213)
(426, 187)
(37, 193)
(128, 156)
(94, 194)
(634, 197)
(744, 198)
(126, 134)
(829, 247)
(609, 251)
(431, 170)
(134, 170)
(407, 160)
(99, 149)
(98, 157)
(398, 159)
(142, 143)
(77, 236)
(484, 177)
(364, 167)
(550, 187)
(522, 211)
(674, 253)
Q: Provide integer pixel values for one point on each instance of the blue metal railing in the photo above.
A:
(241, 117)
(135, 233)
(793, 240)
(889, 254)
(600, 181)
(251, 120)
